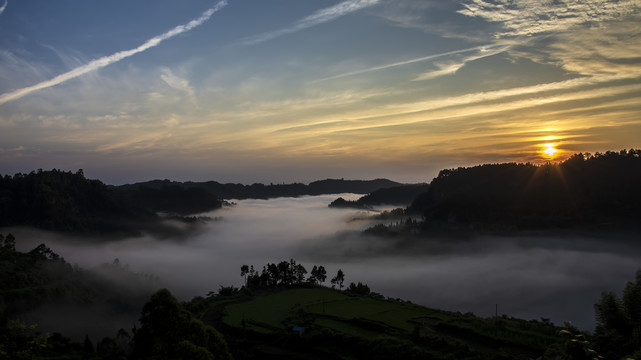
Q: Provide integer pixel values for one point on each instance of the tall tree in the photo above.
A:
(244, 270)
(321, 274)
(299, 274)
(338, 279)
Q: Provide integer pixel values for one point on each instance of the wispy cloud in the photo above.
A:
(526, 18)
(583, 37)
(468, 105)
(4, 6)
(319, 17)
(110, 59)
(486, 50)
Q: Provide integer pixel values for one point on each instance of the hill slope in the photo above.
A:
(583, 190)
(331, 324)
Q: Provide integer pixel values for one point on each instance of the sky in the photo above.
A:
(294, 91)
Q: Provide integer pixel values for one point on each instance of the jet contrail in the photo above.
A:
(4, 6)
(108, 60)
(482, 48)
(319, 17)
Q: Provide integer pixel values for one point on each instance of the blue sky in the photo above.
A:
(289, 90)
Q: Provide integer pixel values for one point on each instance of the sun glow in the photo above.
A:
(550, 151)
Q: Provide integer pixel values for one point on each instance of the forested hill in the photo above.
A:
(69, 202)
(596, 190)
(262, 191)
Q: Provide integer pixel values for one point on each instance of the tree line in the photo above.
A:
(288, 273)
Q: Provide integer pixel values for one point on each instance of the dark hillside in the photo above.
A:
(68, 202)
(171, 198)
(64, 201)
(42, 280)
(335, 324)
(402, 195)
(583, 190)
(397, 195)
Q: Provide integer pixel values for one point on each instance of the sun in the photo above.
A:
(550, 151)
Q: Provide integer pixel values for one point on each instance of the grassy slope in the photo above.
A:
(368, 320)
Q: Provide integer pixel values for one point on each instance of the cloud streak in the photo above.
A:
(483, 50)
(110, 59)
(317, 18)
(4, 6)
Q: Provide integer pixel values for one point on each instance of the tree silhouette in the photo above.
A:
(321, 274)
(168, 331)
(317, 275)
(338, 279)
(244, 270)
(618, 331)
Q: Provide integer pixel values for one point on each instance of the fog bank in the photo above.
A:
(528, 277)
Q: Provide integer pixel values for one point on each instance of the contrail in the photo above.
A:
(4, 6)
(407, 62)
(319, 17)
(108, 60)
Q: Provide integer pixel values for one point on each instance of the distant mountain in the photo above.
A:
(262, 191)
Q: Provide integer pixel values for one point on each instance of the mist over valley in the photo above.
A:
(529, 276)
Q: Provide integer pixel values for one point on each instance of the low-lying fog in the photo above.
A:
(528, 277)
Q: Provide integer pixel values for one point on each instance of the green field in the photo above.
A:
(270, 313)
(327, 313)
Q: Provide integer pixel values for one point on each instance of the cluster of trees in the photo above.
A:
(288, 273)
(584, 189)
(168, 331)
(618, 330)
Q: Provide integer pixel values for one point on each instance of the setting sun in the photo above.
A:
(550, 151)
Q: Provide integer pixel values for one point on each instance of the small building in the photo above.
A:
(298, 330)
